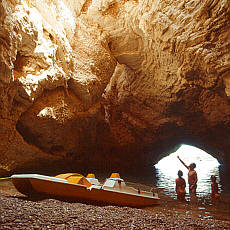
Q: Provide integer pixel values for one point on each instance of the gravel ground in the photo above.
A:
(17, 212)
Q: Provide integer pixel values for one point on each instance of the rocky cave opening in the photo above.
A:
(108, 86)
(150, 76)
(206, 165)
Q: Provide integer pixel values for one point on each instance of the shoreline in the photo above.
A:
(19, 212)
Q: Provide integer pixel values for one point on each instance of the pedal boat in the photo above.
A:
(78, 188)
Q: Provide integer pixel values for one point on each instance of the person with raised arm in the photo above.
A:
(192, 176)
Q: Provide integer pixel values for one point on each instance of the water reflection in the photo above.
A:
(167, 168)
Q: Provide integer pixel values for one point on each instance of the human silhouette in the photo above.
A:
(214, 188)
(192, 177)
(180, 186)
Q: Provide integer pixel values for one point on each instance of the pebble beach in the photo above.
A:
(20, 212)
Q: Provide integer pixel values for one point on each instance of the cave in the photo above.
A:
(116, 86)
(113, 85)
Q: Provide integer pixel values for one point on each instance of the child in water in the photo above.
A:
(214, 188)
(180, 186)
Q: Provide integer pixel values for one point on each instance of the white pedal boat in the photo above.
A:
(74, 186)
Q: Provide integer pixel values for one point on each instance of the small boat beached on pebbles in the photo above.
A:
(75, 186)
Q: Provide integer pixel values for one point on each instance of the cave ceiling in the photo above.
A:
(110, 83)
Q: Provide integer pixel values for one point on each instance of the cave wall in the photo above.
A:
(112, 83)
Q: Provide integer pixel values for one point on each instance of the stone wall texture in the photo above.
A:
(112, 84)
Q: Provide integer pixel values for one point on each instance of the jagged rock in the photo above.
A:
(108, 83)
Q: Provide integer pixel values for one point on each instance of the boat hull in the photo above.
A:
(24, 186)
(79, 192)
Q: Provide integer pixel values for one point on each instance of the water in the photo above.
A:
(206, 165)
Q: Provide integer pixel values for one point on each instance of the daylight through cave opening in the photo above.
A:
(167, 168)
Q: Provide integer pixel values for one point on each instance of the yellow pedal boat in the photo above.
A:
(75, 186)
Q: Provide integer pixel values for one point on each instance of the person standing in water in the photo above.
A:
(180, 186)
(214, 188)
(192, 177)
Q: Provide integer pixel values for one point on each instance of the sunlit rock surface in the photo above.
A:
(112, 84)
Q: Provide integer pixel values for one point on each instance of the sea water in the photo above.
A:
(206, 165)
(165, 174)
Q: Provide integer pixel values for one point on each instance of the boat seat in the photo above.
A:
(91, 178)
(75, 178)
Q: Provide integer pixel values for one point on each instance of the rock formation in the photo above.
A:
(112, 84)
